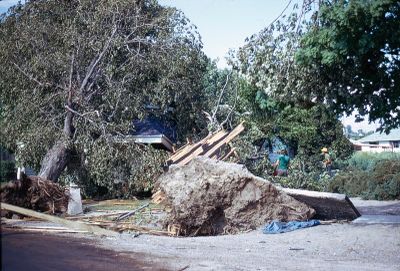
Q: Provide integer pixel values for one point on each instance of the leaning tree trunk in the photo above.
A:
(55, 161)
(58, 157)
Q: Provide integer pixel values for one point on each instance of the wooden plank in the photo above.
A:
(326, 205)
(180, 154)
(158, 197)
(228, 154)
(217, 137)
(74, 225)
(238, 129)
(176, 157)
(189, 158)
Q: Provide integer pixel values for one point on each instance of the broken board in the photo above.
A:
(326, 205)
(73, 225)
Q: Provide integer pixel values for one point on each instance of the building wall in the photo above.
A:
(381, 146)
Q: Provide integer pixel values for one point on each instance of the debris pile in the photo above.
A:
(214, 146)
(35, 193)
(208, 197)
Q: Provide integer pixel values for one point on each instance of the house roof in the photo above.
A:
(152, 126)
(394, 135)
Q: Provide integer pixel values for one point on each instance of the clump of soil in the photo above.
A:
(209, 197)
(35, 193)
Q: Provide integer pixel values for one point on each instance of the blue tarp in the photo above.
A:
(281, 227)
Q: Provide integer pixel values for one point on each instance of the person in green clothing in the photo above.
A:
(282, 163)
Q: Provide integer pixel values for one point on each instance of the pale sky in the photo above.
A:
(225, 24)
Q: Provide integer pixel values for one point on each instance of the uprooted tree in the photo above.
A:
(75, 74)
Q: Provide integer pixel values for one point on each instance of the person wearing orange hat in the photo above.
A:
(327, 161)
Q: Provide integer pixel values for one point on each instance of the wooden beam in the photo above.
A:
(74, 225)
(192, 155)
(186, 151)
(228, 154)
(238, 129)
(217, 137)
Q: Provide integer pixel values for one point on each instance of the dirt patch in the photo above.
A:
(35, 193)
(208, 197)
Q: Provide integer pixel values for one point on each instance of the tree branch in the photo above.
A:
(96, 61)
(82, 115)
(30, 76)
(221, 94)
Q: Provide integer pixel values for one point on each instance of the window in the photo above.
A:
(395, 144)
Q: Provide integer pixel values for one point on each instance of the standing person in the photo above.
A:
(327, 161)
(282, 163)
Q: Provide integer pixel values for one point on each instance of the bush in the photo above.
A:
(302, 180)
(381, 182)
(368, 160)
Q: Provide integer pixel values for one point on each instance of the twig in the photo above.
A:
(221, 94)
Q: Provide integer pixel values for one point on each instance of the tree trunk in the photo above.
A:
(57, 158)
(55, 161)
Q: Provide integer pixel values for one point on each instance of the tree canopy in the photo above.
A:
(75, 74)
(344, 55)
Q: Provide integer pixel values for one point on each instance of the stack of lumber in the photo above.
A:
(214, 146)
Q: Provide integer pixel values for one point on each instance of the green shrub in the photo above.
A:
(368, 160)
(380, 182)
(302, 180)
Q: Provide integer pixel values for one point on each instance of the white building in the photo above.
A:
(379, 142)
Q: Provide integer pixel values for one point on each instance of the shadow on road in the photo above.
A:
(36, 251)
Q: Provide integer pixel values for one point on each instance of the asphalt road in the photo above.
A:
(26, 251)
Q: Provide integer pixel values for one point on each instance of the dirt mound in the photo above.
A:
(208, 197)
(35, 193)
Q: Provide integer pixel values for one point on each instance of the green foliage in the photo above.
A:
(82, 71)
(368, 160)
(361, 39)
(116, 169)
(345, 56)
(302, 180)
(380, 182)
(282, 93)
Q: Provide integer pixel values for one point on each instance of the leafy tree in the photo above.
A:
(355, 45)
(283, 92)
(345, 55)
(75, 74)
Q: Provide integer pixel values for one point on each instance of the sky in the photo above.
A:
(5, 4)
(225, 24)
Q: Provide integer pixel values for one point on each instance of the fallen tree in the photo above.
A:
(35, 193)
(208, 197)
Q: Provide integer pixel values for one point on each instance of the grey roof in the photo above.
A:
(394, 135)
